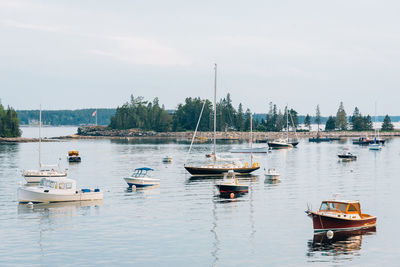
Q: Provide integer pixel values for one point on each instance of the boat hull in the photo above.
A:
(230, 188)
(205, 171)
(347, 157)
(325, 223)
(26, 195)
(141, 182)
(279, 145)
(74, 159)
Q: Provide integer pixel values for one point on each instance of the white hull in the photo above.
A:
(141, 182)
(38, 195)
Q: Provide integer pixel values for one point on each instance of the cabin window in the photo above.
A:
(323, 206)
(332, 206)
(68, 185)
(342, 207)
(352, 208)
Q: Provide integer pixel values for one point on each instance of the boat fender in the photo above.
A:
(246, 164)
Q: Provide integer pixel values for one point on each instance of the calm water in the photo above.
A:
(184, 222)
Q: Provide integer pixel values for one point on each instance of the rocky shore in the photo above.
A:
(23, 140)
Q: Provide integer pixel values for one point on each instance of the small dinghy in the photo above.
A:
(73, 156)
(340, 215)
(142, 178)
(271, 174)
(230, 186)
(167, 159)
(56, 190)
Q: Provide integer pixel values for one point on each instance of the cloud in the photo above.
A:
(140, 50)
(35, 27)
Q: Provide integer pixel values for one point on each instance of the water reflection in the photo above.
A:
(342, 243)
(61, 209)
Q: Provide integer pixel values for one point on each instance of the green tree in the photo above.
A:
(9, 122)
(341, 119)
(307, 122)
(387, 124)
(317, 116)
(330, 124)
(240, 118)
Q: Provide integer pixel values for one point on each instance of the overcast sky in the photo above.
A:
(78, 54)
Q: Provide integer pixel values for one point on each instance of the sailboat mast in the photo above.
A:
(251, 139)
(215, 114)
(287, 123)
(40, 136)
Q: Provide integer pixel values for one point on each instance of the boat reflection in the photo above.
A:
(272, 182)
(342, 243)
(60, 209)
(242, 178)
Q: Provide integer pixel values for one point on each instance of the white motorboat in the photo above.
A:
(271, 174)
(142, 178)
(375, 146)
(34, 176)
(56, 189)
(167, 159)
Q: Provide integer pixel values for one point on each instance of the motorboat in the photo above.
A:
(346, 155)
(230, 186)
(141, 177)
(34, 176)
(280, 143)
(367, 141)
(167, 159)
(219, 169)
(73, 156)
(374, 146)
(271, 174)
(340, 215)
(56, 189)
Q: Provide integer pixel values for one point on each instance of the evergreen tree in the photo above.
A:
(240, 118)
(387, 124)
(307, 122)
(341, 120)
(330, 124)
(317, 116)
(9, 122)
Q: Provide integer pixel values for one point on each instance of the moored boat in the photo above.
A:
(73, 156)
(340, 215)
(280, 143)
(142, 178)
(271, 174)
(56, 190)
(346, 155)
(230, 186)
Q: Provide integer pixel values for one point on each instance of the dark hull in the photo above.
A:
(74, 159)
(294, 143)
(325, 223)
(347, 157)
(237, 189)
(279, 146)
(367, 142)
(204, 171)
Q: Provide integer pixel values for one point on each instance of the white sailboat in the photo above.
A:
(219, 169)
(282, 143)
(376, 145)
(34, 176)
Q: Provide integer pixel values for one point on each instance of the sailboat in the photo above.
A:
(34, 176)
(375, 145)
(282, 143)
(219, 169)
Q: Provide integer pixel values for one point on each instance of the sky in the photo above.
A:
(93, 53)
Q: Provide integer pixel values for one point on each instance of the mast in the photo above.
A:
(40, 136)
(215, 114)
(287, 124)
(251, 139)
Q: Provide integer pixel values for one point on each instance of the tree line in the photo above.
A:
(9, 123)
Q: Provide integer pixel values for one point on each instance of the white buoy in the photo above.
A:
(329, 234)
(29, 205)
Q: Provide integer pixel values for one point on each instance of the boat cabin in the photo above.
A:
(73, 153)
(341, 208)
(63, 184)
(141, 172)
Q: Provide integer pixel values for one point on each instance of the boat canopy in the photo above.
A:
(144, 169)
(73, 153)
(341, 206)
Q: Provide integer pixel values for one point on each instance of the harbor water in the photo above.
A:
(184, 221)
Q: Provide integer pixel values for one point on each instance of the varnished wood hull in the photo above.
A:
(325, 223)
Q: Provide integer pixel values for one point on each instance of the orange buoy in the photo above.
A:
(232, 195)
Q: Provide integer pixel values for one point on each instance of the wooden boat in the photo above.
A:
(271, 174)
(230, 185)
(73, 156)
(218, 169)
(340, 215)
(142, 178)
(347, 156)
(56, 190)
